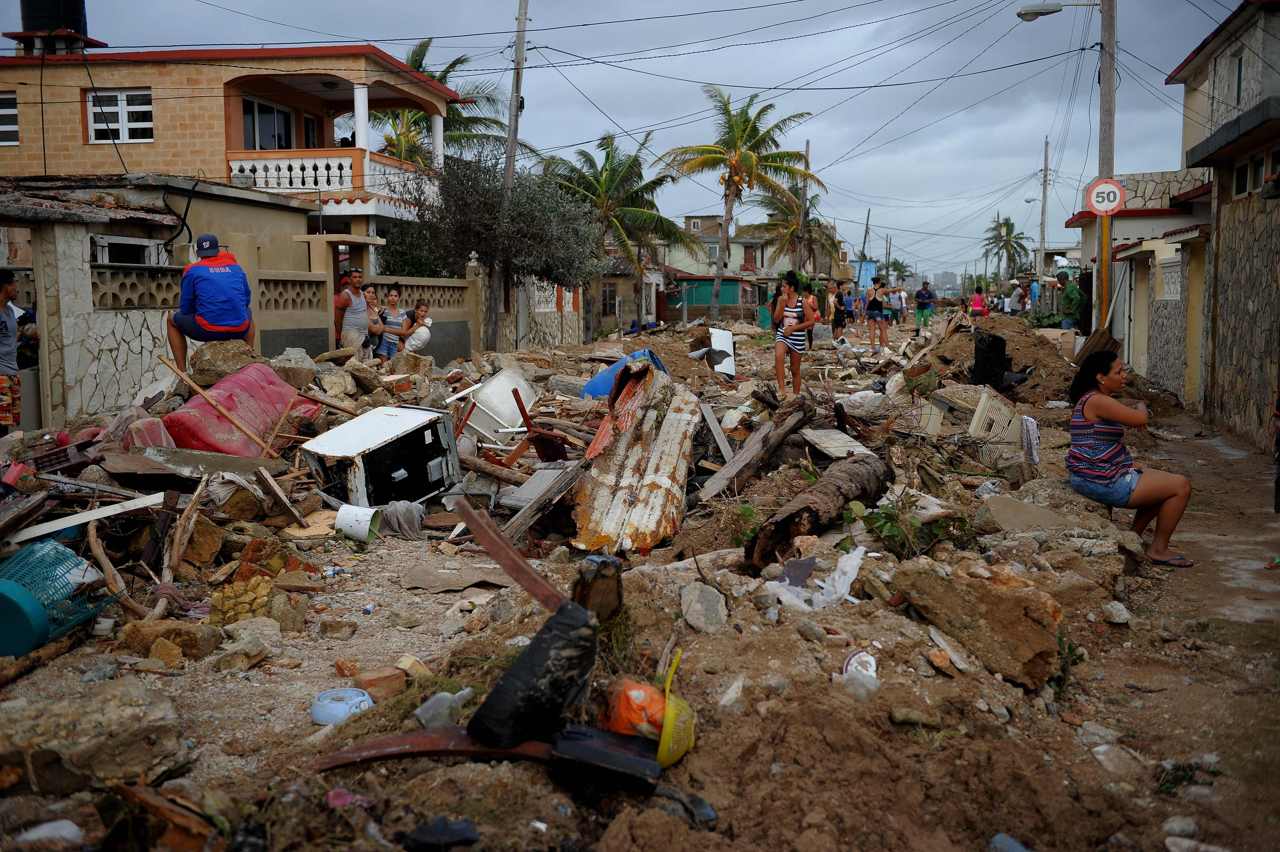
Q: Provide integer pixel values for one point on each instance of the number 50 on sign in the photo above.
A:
(1105, 196)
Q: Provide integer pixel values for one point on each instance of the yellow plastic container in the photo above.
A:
(678, 723)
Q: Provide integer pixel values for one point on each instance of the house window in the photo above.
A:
(1240, 185)
(713, 252)
(695, 225)
(1239, 78)
(1257, 173)
(311, 132)
(120, 115)
(608, 298)
(132, 250)
(1275, 162)
(267, 127)
(8, 118)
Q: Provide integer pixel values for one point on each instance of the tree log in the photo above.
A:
(861, 477)
(12, 668)
(115, 583)
(497, 471)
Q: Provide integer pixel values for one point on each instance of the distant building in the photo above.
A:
(945, 283)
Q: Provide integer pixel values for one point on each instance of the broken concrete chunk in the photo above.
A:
(110, 733)
(166, 652)
(295, 367)
(205, 542)
(1116, 613)
(213, 362)
(290, 611)
(1118, 760)
(410, 363)
(1092, 734)
(266, 629)
(299, 581)
(811, 630)
(381, 683)
(703, 607)
(196, 641)
(915, 716)
(338, 383)
(242, 655)
(333, 629)
(365, 375)
(1003, 513)
(1009, 624)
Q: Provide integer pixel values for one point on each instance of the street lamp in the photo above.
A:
(1106, 123)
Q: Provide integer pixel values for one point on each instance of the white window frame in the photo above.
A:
(119, 115)
(695, 225)
(254, 99)
(5, 111)
(157, 254)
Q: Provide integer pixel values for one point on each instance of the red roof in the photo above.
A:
(1218, 30)
(1078, 220)
(1201, 191)
(216, 54)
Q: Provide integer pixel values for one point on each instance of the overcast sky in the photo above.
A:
(949, 177)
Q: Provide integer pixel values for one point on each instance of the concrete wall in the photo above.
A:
(1260, 53)
(1166, 340)
(1193, 289)
(1243, 307)
(555, 319)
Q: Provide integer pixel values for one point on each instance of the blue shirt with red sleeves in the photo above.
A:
(215, 290)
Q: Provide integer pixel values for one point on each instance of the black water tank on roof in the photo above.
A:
(45, 15)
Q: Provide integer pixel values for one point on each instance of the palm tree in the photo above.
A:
(900, 269)
(623, 199)
(1005, 243)
(791, 228)
(747, 153)
(475, 126)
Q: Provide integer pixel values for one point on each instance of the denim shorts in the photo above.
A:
(877, 315)
(1116, 493)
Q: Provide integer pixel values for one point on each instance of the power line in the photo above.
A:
(270, 21)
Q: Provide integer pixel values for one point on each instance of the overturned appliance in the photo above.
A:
(400, 452)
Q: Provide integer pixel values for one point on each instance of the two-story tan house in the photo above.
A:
(1230, 292)
(254, 118)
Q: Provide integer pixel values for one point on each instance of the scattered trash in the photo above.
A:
(442, 709)
(859, 675)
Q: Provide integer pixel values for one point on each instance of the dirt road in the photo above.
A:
(1208, 682)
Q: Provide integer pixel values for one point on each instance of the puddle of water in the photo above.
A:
(1226, 450)
(1249, 611)
(1250, 574)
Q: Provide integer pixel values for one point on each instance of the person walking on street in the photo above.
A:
(811, 303)
(835, 309)
(924, 307)
(1100, 466)
(1072, 299)
(978, 304)
(213, 303)
(793, 317)
(878, 316)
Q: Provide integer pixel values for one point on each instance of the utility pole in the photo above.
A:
(1106, 146)
(866, 232)
(508, 181)
(1044, 207)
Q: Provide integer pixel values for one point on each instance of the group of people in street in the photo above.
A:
(375, 330)
(1024, 297)
(795, 312)
(215, 303)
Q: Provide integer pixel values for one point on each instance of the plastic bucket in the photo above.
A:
(358, 522)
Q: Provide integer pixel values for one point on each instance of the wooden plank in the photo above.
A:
(327, 402)
(273, 488)
(497, 471)
(757, 448)
(319, 524)
(68, 482)
(726, 449)
(148, 502)
(218, 407)
(519, 525)
(832, 443)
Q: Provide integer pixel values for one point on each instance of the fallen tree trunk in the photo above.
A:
(497, 471)
(861, 477)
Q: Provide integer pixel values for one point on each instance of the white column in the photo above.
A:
(361, 110)
(437, 141)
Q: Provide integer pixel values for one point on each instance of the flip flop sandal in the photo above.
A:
(1178, 561)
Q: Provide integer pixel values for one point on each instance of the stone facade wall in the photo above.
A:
(555, 319)
(1152, 190)
(1243, 309)
(1167, 338)
(1251, 45)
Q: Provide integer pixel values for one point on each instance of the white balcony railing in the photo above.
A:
(298, 171)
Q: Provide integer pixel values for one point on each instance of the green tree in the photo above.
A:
(474, 127)
(549, 234)
(791, 228)
(623, 200)
(899, 268)
(1006, 244)
(747, 154)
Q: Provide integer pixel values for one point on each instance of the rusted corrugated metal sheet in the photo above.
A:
(633, 496)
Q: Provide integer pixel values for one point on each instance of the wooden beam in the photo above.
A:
(218, 407)
(757, 448)
(150, 501)
(726, 449)
(273, 489)
(519, 525)
(497, 471)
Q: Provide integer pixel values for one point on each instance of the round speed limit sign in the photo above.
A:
(1105, 196)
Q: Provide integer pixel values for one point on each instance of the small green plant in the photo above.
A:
(746, 520)
(906, 536)
(1069, 656)
(1169, 777)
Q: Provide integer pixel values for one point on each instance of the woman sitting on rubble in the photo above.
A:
(792, 317)
(1102, 469)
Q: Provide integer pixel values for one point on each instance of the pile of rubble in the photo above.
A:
(660, 604)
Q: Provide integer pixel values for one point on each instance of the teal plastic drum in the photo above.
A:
(24, 625)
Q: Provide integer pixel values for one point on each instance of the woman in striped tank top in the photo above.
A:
(792, 318)
(1102, 469)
